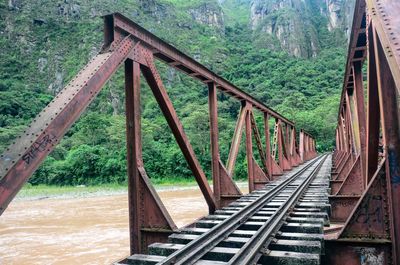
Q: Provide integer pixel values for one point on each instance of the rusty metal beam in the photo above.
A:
(118, 25)
(249, 147)
(166, 106)
(268, 159)
(389, 110)
(134, 151)
(282, 155)
(381, 184)
(386, 20)
(373, 113)
(358, 28)
(157, 223)
(237, 136)
(25, 155)
(213, 112)
(257, 137)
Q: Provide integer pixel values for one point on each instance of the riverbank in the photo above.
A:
(40, 192)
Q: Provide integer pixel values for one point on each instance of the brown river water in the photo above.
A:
(91, 230)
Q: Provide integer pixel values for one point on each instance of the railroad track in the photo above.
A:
(279, 224)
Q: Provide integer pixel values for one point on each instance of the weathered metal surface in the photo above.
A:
(385, 17)
(282, 154)
(268, 162)
(390, 123)
(257, 137)
(357, 253)
(26, 153)
(149, 221)
(166, 106)
(371, 230)
(213, 112)
(229, 190)
(165, 52)
(370, 217)
(249, 149)
(237, 136)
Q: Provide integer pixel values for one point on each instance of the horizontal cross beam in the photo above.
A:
(117, 26)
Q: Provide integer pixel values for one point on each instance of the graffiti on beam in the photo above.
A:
(370, 210)
(394, 167)
(369, 255)
(38, 147)
(346, 203)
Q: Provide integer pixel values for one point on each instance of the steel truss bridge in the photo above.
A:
(302, 208)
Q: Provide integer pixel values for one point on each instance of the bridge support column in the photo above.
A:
(268, 158)
(282, 150)
(212, 103)
(153, 78)
(149, 221)
(260, 174)
(389, 95)
(249, 149)
(371, 233)
(225, 189)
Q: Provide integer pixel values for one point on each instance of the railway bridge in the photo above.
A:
(302, 207)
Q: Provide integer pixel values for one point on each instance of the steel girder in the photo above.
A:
(366, 163)
(127, 43)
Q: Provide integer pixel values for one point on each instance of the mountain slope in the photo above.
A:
(45, 43)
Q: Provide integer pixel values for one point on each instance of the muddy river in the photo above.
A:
(90, 230)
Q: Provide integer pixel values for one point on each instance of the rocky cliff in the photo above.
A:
(340, 14)
(298, 24)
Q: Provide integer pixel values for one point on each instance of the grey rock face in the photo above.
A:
(340, 15)
(58, 83)
(42, 63)
(286, 20)
(154, 9)
(69, 9)
(291, 21)
(14, 4)
(208, 14)
(334, 13)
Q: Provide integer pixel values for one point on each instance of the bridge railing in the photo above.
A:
(366, 174)
(127, 43)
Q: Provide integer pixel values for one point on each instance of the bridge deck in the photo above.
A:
(295, 233)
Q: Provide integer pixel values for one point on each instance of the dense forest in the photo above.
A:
(45, 43)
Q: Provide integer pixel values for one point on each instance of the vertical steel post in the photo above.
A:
(287, 145)
(306, 147)
(360, 110)
(213, 111)
(373, 112)
(389, 111)
(249, 150)
(302, 146)
(268, 146)
(280, 144)
(134, 150)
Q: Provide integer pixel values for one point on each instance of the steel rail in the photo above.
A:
(193, 251)
(249, 253)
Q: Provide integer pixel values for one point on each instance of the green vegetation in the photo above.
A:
(42, 49)
(40, 191)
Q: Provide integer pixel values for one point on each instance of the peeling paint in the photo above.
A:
(371, 256)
